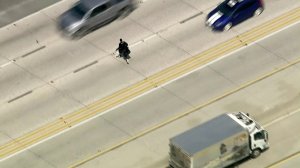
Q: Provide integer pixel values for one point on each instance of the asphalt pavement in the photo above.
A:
(14, 10)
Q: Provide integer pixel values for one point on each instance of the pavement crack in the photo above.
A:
(179, 97)
(224, 76)
(116, 126)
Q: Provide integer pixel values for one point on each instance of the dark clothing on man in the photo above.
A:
(120, 48)
(123, 50)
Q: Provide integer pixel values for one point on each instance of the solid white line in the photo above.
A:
(135, 44)
(4, 65)
(150, 37)
(143, 40)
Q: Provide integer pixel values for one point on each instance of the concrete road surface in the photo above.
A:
(266, 99)
(272, 101)
(42, 79)
(45, 63)
(292, 160)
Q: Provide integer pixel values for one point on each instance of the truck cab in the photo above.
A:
(258, 135)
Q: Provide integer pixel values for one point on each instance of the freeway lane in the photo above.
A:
(284, 141)
(175, 98)
(171, 73)
(37, 117)
(266, 101)
(50, 71)
(37, 110)
(58, 62)
(289, 161)
(13, 10)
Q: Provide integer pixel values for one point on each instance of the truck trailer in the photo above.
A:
(219, 142)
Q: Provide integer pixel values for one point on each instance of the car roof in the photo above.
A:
(234, 3)
(90, 4)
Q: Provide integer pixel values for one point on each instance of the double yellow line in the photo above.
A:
(147, 84)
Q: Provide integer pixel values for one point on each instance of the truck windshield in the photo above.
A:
(259, 135)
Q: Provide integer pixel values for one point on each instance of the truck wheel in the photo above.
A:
(125, 11)
(255, 153)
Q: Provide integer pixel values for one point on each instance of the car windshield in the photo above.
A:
(226, 9)
(79, 10)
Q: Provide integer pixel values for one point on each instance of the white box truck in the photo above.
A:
(220, 142)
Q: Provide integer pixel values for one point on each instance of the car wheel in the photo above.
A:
(227, 26)
(258, 11)
(80, 33)
(125, 11)
(255, 153)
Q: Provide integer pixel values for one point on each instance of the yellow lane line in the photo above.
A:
(280, 162)
(145, 85)
(174, 118)
(23, 142)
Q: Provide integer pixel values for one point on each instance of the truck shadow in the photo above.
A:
(237, 164)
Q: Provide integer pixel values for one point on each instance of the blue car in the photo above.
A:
(232, 12)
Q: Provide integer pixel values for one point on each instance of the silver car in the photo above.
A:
(87, 15)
